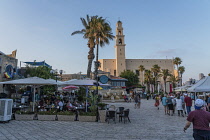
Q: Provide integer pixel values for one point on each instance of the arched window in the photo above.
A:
(120, 41)
(119, 33)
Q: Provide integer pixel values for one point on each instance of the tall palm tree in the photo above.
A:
(86, 35)
(177, 61)
(98, 32)
(174, 80)
(156, 70)
(148, 79)
(181, 70)
(102, 33)
(165, 73)
(141, 69)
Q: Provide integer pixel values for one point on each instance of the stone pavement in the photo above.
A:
(147, 123)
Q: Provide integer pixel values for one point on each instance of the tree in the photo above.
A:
(156, 70)
(209, 74)
(165, 73)
(101, 31)
(141, 69)
(174, 80)
(98, 32)
(148, 79)
(41, 72)
(177, 61)
(131, 77)
(181, 70)
(85, 31)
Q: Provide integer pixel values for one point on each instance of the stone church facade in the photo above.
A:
(118, 65)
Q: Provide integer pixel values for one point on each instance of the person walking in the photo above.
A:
(200, 120)
(170, 105)
(179, 106)
(157, 101)
(164, 103)
(136, 100)
(183, 104)
(188, 102)
(139, 101)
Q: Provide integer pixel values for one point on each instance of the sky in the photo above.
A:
(154, 29)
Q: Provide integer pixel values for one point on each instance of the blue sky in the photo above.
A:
(41, 30)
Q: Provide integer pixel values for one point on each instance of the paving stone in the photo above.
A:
(147, 123)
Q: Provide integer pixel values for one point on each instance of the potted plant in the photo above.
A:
(102, 112)
(47, 115)
(66, 116)
(24, 115)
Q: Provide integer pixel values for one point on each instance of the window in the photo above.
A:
(120, 41)
(119, 33)
(115, 72)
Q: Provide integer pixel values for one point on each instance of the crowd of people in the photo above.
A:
(58, 101)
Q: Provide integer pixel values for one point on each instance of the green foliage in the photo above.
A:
(41, 72)
(51, 112)
(102, 106)
(24, 112)
(65, 113)
(92, 99)
(87, 113)
(131, 77)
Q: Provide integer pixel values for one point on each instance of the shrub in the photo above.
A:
(52, 112)
(24, 112)
(66, 113)
(87, 113)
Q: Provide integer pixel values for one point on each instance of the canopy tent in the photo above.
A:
(182, 88)
(202, 85)
(42, 63)
(35, 82)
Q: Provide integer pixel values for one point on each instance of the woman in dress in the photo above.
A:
(179, 106)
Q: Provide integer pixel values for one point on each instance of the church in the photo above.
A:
(120, 63)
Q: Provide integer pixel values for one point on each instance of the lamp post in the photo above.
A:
(56, 74)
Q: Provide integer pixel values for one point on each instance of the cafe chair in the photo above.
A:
(111, 115)
(120, 110)
(112, 107)
(125, 116)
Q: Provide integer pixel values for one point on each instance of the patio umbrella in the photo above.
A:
(35, 82)
(70, 87)
(94, 88)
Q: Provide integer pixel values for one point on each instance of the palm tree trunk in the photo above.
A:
(181, 80)
(90, 61)
(165, 85)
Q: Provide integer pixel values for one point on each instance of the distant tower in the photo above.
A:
(119, 49)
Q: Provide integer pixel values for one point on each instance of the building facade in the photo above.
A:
(120, 63)
(8, 67)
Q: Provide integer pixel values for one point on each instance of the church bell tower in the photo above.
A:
(120, 49)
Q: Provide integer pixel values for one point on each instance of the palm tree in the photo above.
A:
(101, 31)
(141, 69)
(148, 79)
(98, 32)
(156, 70)
(181, 70)
(177, 61)
(174, 80)
(165, 73)
(85, 31)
